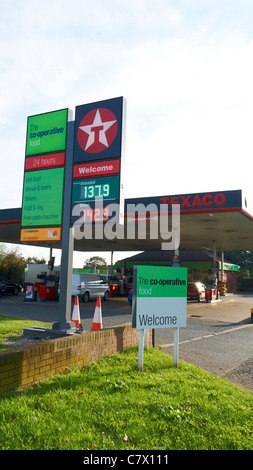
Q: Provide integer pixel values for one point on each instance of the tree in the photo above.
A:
(35, 260)
(96, 263)
(243, 258)
(12, 264)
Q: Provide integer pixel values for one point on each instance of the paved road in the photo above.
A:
(220, 348)
(218, 337)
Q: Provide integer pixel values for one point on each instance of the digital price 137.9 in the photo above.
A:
(97, 190)
(86, 190)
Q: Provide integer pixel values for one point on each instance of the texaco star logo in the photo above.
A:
(97, 130)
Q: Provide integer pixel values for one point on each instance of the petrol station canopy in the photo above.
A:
(205, 218)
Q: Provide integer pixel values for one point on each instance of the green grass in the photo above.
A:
(11, 329)
(111, 405)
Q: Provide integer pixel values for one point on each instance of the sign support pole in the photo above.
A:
(64, 319)
(66, 281)
(176, 346)
(141, 341)
(146, 340)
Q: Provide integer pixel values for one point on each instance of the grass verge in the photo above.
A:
(110, 405)
(11, 329)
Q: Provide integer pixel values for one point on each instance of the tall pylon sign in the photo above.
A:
(73, 173)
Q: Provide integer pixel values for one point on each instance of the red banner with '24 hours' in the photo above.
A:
(45, 161)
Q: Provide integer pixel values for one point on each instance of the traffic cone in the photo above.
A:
(97, 319)
(76, 313)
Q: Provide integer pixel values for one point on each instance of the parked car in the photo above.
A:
(196, 291)
(9, 287)
(12, 288)
(88, 285)
(92, 286)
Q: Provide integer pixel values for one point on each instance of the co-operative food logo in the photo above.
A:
(97, 130)
(46, 132)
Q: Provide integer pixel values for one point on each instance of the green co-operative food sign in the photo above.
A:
(160, 297)
(46, 132)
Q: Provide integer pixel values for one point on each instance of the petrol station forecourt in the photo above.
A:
(62, 204)
(232, 227)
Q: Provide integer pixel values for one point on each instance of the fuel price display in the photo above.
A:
(99, 190)
(86, 190)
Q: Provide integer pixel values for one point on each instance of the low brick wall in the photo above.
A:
(22, 367)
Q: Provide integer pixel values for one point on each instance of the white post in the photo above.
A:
(145, 339)
(176, 346)
(141, 337)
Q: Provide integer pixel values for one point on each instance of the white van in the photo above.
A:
(88, 286)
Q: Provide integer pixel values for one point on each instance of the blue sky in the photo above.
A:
(185, 68)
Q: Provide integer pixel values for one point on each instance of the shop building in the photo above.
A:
(199, 264)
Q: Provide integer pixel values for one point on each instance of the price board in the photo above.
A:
(87, 190)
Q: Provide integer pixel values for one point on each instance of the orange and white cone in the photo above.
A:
(76, 313)
(97, 319)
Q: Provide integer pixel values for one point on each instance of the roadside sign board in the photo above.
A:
(159, 297)
(44, 173)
